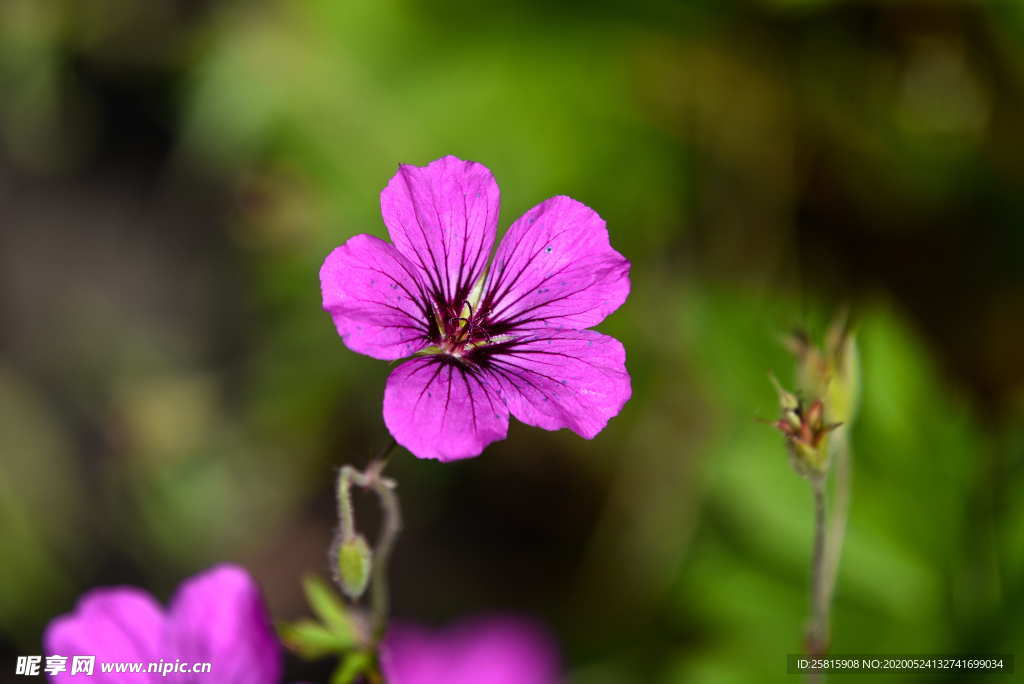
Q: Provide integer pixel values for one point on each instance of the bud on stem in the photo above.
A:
(806, 432)
(830, 377)
(355, 565)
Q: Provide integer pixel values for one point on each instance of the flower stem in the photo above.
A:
(840, 512)
(817, 631)
(391, 526)
(372, 479)
(346, 513)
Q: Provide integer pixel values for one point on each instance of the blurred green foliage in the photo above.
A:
(171, 394)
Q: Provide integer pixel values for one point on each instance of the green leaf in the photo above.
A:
(311, 640)
(329, 608)
(353, 665)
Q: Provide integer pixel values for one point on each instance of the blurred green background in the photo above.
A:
(173, 172)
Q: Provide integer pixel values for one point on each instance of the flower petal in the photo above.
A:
(556, 379)
(443, 217)
(504, 650)
(375, 298)
(219, 616)
(485, 650)
(555, 268)
(436, 407)
(413, 655)
(115, 624)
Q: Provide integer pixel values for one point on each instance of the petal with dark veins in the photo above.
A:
(555, 268)
(443, 217)
(437, 407)
(375, 298)
(556, 379)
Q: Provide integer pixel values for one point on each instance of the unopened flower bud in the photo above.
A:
(830, 373)
(354, 562)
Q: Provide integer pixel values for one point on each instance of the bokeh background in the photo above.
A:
(173, 172)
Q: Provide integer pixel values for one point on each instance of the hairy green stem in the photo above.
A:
(839, 513)
(346, 513)
(373, 480)
(391, 526)
(817, 630)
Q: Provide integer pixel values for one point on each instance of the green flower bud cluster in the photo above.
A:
(828, 388)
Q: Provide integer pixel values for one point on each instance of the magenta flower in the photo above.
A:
(494, 650)
(217, 616)
(486, 343)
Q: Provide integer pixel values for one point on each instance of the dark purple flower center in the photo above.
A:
(459, 331)
(464, 328)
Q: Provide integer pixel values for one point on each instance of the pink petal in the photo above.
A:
(556, 379)
(437, 408)
(115, 624)
(503, 651)
(492, 650)
(413, 655)
(555, 268)
(219, 616)
(375, 298)
(443, 217)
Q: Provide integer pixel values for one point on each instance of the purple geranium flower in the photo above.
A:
(217, 616)
(489, 650)
(487, 343)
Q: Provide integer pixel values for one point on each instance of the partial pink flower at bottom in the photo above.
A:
(217, 616)
(484, 650)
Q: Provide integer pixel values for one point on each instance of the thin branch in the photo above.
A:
(817, 631)
(840, 511)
